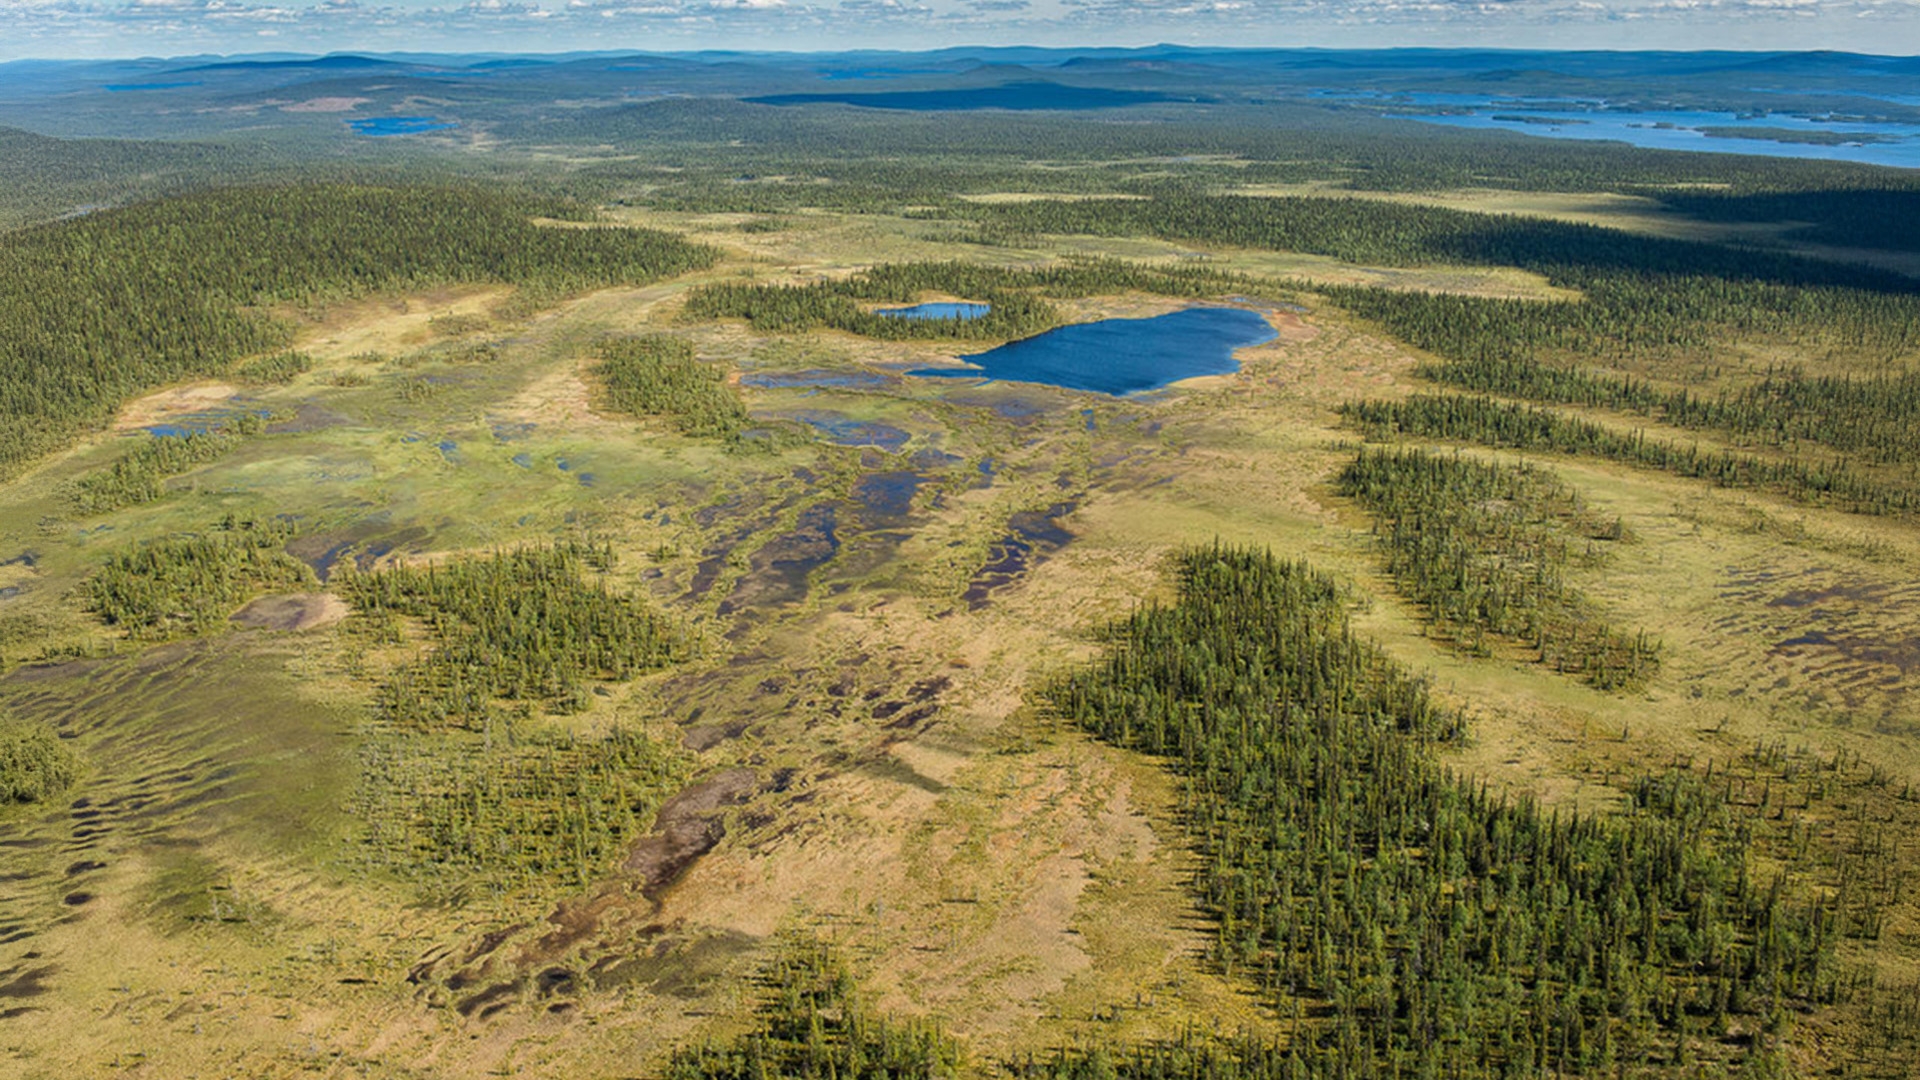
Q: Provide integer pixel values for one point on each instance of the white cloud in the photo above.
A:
(96, 27)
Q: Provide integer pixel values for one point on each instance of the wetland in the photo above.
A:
(1225, 582)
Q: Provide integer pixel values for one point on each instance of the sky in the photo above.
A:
(121, 28)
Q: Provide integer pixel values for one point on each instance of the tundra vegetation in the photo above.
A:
(499, 601)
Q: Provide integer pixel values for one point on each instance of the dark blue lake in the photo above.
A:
(1122, 356)
(399, 125)
(1772, 135)
(937, 311)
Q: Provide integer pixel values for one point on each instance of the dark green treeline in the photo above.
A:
(1508, 425)
(1484, 549)
(523, 625)
(1873, 417)
(1419, 925)
(100, 308)
(1017, 297)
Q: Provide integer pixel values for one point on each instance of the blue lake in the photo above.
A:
(1893, 144)
(1122, 356)
(937, 311)
(399, 125)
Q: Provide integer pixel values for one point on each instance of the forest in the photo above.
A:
(658, 375)
(187, 278)
(1414, 922)
(1485, 548)
(524, 626)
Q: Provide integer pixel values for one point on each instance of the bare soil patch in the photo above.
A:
(297, 611)
(173, 402)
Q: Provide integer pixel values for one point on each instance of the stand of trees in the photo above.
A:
(99, 308)
(275, 368)
(1414, 923)
(521, 806)
(185, 585)
(657, 375)
(1484, 549)
(812, 1024)
(141, 476)
(34, 764)
(522, 626)
(1508, 425)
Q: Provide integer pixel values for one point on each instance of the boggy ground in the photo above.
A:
(876, 606)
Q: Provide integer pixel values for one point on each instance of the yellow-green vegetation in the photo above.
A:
(34, 764)
(658, 375)
(140, 476)
(516, 734)
(519, 626)
(1484, 549)
(191, 584)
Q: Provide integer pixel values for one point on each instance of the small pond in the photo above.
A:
(399, 125)
(938, 310)
(1122, 356)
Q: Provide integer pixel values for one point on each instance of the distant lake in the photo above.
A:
(1017, 96)
(1122, 356)
(399, 125)
(1881, 143)
(937, 311)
